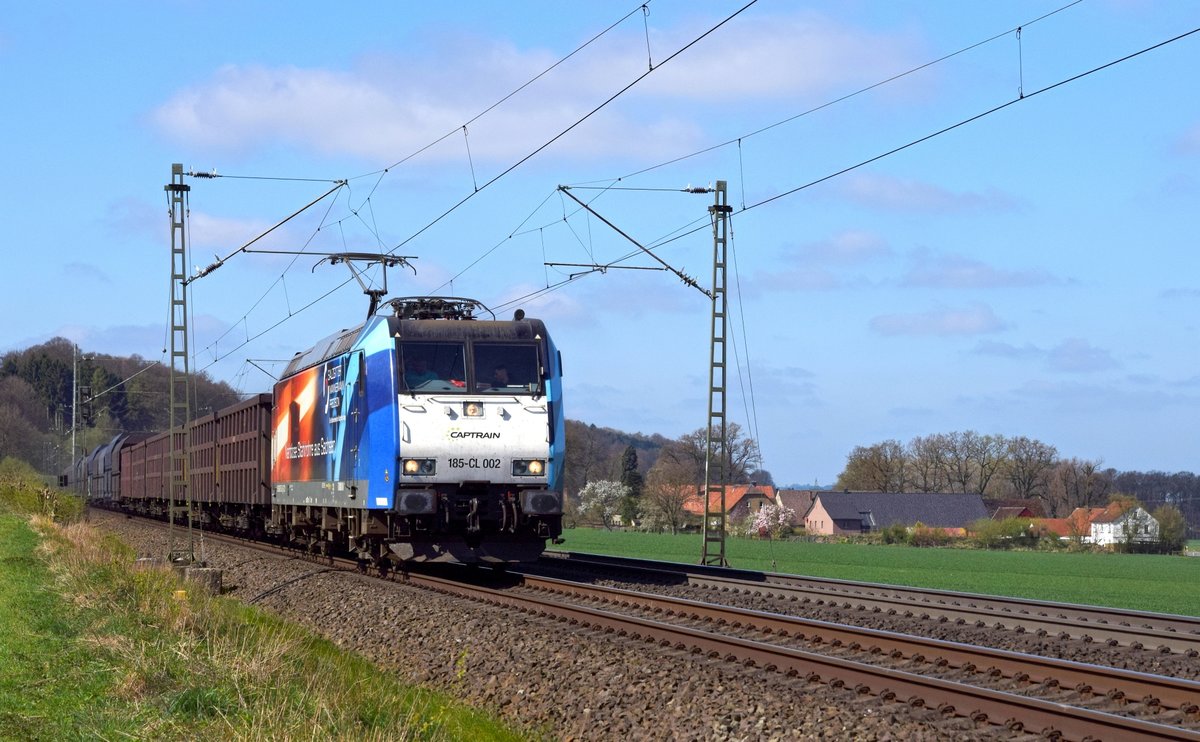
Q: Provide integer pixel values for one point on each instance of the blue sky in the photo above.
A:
(1033, 272)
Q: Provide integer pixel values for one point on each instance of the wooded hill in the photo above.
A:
(130, 394)
(115, 394)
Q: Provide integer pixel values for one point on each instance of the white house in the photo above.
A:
(1116, 526)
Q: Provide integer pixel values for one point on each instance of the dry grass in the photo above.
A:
(210, 667)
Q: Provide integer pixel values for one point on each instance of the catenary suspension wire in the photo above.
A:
(848, 96)
(343, 183)
(751, 405)
(567, 130)
(384, 171)
(685, 231)
(976, 117)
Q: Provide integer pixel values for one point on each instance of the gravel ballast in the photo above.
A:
(545, 677)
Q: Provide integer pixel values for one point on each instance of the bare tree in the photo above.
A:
(744, 456)
(879, 468)
(928, 463)
(1076, 483)
(1028, 466)
(987, 454)
(669, 484)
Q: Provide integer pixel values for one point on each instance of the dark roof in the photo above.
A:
(941, 510)
(798, 500)
(1004, 513)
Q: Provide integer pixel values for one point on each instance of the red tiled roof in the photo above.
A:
(1111, 514)
(734, 494)
(1003, 513)
(1060, 527)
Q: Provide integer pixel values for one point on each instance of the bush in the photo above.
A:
(1004, 534)
(924, 536)
(895, 534)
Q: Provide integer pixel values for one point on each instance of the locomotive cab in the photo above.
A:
(480, 438)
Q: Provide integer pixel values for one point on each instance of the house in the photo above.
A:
(1005, 513)
(741, 500)
(798, 501)
(994, 504)
(1075, 527)
(1117, 524)
(862, 512)
(1104, 526)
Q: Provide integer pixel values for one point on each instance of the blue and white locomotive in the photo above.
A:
(426, 434)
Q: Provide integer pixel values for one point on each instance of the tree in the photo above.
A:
(602, 500)
(634, 482)
(761, 477)
(1027, 468)
(972, 460)
(20, 436)
(877, 468)
(771, 521)
(928, 463)
(1172, 528)
(744, 456)
(670, 483)
(1076, 483)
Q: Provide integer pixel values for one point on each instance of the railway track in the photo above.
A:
(1094, 692)
(1006, 690)
(1165, 633)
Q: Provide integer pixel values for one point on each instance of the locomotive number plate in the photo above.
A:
(474, 463)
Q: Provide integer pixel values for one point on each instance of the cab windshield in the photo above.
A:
(433, 367)
(506, 368)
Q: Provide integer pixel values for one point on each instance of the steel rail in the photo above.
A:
(982, 705)
(1115, 683)
(1156, 631)
(995, 707)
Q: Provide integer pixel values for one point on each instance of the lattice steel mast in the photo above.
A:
(178, 494)
(716, 464)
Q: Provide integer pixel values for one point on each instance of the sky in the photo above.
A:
(937, 223)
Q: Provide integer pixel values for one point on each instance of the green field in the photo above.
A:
(1167, 584)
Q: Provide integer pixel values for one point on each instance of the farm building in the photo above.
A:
(862, 512)
(1105, 526)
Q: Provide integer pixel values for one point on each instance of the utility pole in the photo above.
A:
(716, 464)
(74, 400)
(180, 404)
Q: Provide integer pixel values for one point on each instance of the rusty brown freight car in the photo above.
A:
(229, 463)
(243, 452)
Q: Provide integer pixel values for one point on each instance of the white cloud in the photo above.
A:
(1189, 142)
(1008, 350)
(1075, 355)
(931, 270)
(1181, 293)
(847, 248)
(779, 56)
(87, 272)
(975, 320)
(900, 194)
(380, 111)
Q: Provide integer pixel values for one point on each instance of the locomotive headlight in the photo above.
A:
(528, 467)
(472, 409)
(419, 467)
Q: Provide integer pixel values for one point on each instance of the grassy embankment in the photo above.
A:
(93, 648)
(1167, 584)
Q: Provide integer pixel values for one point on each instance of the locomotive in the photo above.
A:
(424, 434)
